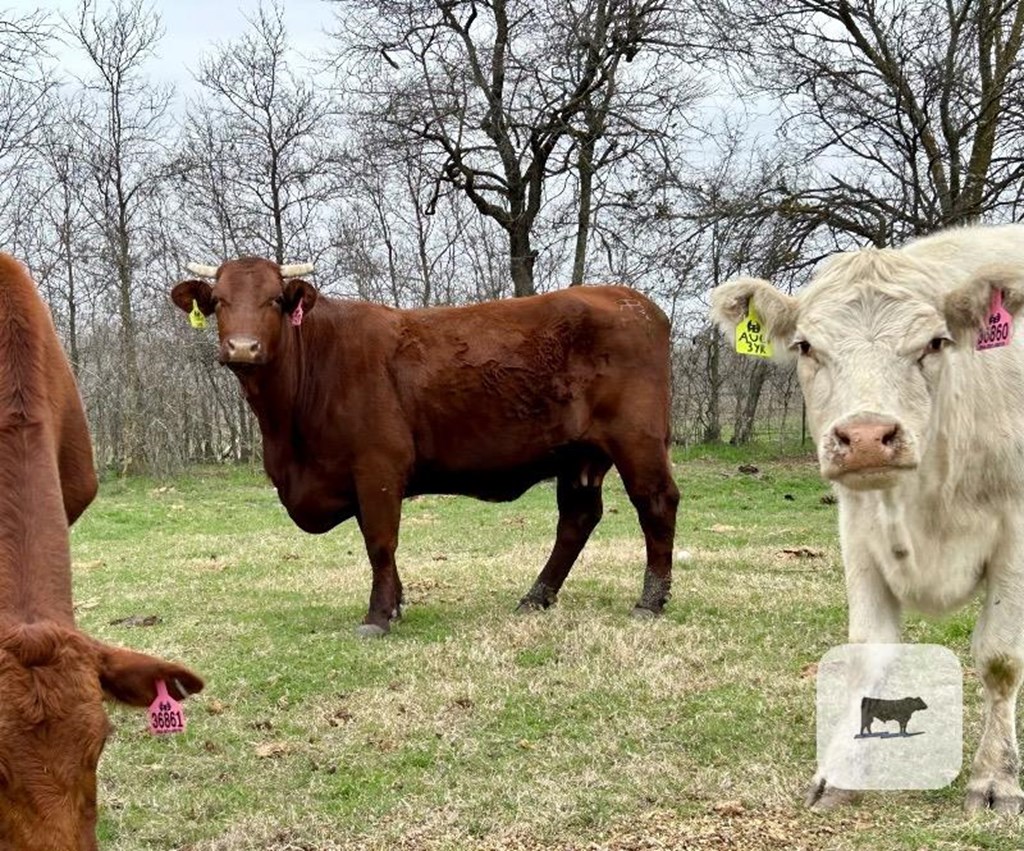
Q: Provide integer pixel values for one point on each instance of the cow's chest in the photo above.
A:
(316, 497)
(933, 561)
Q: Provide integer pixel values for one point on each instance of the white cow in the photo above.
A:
(923, 438)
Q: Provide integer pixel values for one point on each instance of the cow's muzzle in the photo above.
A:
(867, 451)
(242, 350)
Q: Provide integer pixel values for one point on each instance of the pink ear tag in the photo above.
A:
(165, 713)
(297, 315)
(998, 330)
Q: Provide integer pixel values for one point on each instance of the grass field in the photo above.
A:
(470, 727)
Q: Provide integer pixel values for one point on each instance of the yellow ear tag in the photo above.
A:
(750, 336)
(195, 316)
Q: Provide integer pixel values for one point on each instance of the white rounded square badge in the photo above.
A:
(890, 716)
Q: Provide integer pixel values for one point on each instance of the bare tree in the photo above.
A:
(495, 89)
(901, 116)
(126, 158)
(25, 83)
(258, 146)
(388, 245)
(59, 217)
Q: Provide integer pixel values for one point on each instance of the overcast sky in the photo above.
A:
(192, 27)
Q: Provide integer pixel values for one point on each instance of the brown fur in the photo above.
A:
(52, 677)
(364, 405)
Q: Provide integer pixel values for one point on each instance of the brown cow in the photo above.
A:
(52, 677)
(361, 405)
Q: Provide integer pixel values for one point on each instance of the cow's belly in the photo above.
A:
(931, 564)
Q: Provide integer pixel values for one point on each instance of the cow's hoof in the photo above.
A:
(528, 607)
(1000, 796)
(538, 598)
(656, 593)
(823, 796)
(370, 630)
(642, 613)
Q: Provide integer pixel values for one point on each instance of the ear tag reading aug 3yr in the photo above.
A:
(165, 713)
(998, 330)
(297, 315)
(195, 316)
(750, 336)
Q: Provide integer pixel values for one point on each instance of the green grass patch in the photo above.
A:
(469, 726)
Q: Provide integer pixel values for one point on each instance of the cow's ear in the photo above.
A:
(296, 290)
(967, 307)
(777, 311)
(131, 677)
(200, 292)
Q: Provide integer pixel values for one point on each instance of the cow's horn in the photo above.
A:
(293, 270)
(201, 270)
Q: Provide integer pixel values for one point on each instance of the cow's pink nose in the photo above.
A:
(865, 442)
(242, 349)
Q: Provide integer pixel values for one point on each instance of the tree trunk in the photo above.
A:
(747, 415)
(521, 257)
(69, 269)
(586, 171)
(713, 423)
(133, 448)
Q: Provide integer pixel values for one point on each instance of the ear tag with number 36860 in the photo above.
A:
(750, 336)
(165, 713)
(998, 330)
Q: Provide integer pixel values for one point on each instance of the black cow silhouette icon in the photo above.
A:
(872, 708)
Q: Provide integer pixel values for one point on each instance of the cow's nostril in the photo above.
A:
(254, 347)
(842, 436)
(890, 436)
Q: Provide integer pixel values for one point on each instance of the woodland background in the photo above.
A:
(446, 151)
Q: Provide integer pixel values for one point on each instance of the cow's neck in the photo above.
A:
(280, 391)
(35, 561)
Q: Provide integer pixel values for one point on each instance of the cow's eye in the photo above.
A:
(802, 346)
(278, 300)
(936, 344)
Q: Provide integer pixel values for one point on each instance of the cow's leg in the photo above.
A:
(379, 515)
(647, 476)
(874, 618)
(579, 511)
(998, 656)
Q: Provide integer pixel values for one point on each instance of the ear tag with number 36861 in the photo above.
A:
(165, 713)
(998, 330)
(750, 336)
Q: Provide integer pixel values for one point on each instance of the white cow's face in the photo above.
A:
(876, 336)
(870, 365)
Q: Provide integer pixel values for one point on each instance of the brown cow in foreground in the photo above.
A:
(362, 405)
(52, 677)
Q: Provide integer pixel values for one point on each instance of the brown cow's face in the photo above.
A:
(254, 307)
(53, 727)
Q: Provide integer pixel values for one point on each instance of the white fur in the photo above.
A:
(932, 536)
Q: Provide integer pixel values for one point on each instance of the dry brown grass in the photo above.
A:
(469, 727)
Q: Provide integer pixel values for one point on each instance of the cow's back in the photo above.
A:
(32, 411)
(965, 250)
(498, 384)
